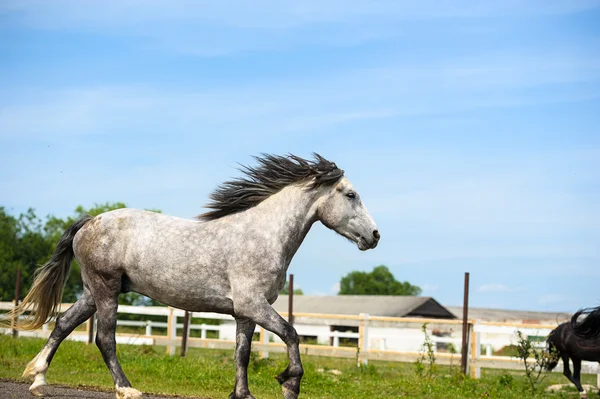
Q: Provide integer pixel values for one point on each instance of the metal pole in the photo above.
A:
(17, 299)
(91, 323)
(465, 343)
(291, 300)
(184, 333)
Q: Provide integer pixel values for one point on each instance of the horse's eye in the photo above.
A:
(351, 195)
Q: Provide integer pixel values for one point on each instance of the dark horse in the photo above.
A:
(576, 340)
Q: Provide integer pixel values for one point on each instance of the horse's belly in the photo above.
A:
(183, 296)
(585, 349)
(194, 289)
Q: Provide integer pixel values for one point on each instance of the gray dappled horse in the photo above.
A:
(233, 260)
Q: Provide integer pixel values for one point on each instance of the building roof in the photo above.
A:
(374, 305)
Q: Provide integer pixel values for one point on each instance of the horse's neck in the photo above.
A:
(289, 215)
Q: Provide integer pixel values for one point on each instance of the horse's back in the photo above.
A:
(114, 231)
(151, 253)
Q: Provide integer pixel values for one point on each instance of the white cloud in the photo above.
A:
(268, 13)
(429, 288)
(552, 299)
(456, 197)
(496, 287)
(335, 289)
(238, 26)
(303, 107)
(530, 197)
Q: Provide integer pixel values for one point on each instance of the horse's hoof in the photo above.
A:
(288, 393)
(290, 386)
(128, 393)
(38, 388)
(246, 396)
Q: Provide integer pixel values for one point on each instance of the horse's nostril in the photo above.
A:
(376, 234)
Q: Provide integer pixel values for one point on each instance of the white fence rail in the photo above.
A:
(373, 336)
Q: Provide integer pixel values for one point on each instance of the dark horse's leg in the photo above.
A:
(106, 293)
(576, 368)
(65, 324)
(244, 332)
(577, 375)
(265, 316)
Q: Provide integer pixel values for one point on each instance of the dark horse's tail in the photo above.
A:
(589, 327)
(45, 294)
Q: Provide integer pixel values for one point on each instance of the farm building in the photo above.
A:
(374, 305)
(317, 318)
(495, 338)
(512, 316)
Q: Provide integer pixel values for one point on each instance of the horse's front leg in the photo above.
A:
(265, 316)
(243, 339)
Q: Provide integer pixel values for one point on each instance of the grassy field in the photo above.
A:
(210, 374)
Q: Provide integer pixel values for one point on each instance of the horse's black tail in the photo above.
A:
(589, 327)
(49, 280)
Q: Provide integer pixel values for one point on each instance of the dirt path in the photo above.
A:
(19, 390)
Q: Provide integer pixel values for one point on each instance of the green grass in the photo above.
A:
(210, 374)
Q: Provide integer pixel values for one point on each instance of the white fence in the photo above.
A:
(375, 336)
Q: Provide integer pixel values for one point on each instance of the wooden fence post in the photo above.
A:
(171, 330)
(291, 300)
(13, 321)
(474, 369)
(363, 339)
(263, 339)
(336, 339)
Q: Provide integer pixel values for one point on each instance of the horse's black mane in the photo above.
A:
(589, 327)
(273, 174)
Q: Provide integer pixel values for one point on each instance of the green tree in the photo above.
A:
(8, 246)
(22, 245)
(380, 281)
(26, 242)
(286, 290)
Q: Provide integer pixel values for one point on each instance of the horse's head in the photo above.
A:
(551, 349)
(342, 210)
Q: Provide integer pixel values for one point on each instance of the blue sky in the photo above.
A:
(470, 129)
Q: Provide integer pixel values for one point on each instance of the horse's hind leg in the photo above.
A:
(577, 376)
(107, 303)
(244, 332)
(577, 369)
(65, 324)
